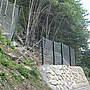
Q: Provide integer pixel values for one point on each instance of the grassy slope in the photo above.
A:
(15, 75)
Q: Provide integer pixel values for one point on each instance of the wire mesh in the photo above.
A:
(72, 57)
(6, 18)
(57, 53)
(66, 60)
(48, 52)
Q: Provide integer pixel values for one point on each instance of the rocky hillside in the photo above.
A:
(17, 72)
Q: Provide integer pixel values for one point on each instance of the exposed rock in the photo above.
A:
(15, 88)
(42, 69)
(61, 87)
(35, 63)
(27, 67)
(61, 77)
(22, 77)
(53, 82)
(59, 67)
(52, 77)
(0, 42)
(13, 43)
(12, 56)
(51, 72)
(57, 87)
(0, 84)
(58, 72)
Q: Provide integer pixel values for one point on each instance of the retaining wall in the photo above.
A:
(62, 77)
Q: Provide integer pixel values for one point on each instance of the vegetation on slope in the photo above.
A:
(14, 75)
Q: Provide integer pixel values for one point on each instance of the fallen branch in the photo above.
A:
(20, 39)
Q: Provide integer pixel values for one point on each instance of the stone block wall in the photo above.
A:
(62, 77)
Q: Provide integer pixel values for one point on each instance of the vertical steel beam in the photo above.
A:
(53, 53)
(42, 48)
(62, 53)
(70, 55)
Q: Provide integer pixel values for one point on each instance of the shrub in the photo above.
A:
(1, 50)
(8, 42)
(15, 63)
(3, 76)
(23, 71)
(28, 63)
(86, 70)
(2, 56)
(16, 77)
(7, 63)
(12, 51)
(35, 73)
(13, 47)
(2, 38)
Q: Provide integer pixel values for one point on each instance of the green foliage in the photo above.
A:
(2, 56)
(36, 83)
(4, 41)
(85, 61)
(23, 71)
(12, 50)
(5, 60)
(28, 63)
(3, 76)
(15, 63)
(65, 15)
(13, 47)
(87, 71)
(72, 29)
(26, 73)
(2, 50)
(8, 42)
(2, 38)
(11, 84)
(35, 73)
(79, 57)
(15, 76)
(7, 63)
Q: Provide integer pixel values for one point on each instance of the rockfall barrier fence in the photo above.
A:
(54, 53)
(8, 17)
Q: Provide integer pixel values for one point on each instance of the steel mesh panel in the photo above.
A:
(66, 59)
(72, 57)
(48, 52)
(6, 20)
(57, 53)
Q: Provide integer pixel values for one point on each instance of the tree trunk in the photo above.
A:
(12, 19)
(30, 12)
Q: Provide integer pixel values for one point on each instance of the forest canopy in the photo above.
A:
(59, 20)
